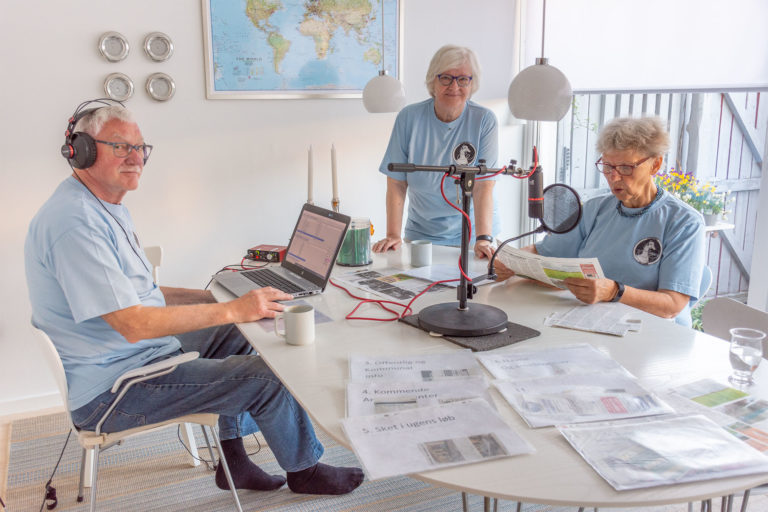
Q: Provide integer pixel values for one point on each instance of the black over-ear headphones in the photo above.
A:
(79, 148)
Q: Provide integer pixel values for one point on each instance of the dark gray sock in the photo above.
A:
(245, 474)
(324, 479)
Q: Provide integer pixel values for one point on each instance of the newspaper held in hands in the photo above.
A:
(551, 271)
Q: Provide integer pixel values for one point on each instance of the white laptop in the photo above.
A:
(309, 257)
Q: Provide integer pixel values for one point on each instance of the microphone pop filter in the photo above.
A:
(562, 208)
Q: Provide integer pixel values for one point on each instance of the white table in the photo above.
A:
(663, 353)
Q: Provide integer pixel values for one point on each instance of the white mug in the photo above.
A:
(299, 323)
(421, 253)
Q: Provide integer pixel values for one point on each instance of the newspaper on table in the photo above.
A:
(365, 398)
(740, 414)
(551, 271)
(433, 437)
(633, 454)
(458, 364)
(580, 398)
(566, 360)
(440, 272)
(604, 317)
(391, 283)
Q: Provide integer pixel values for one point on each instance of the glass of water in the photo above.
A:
(746, 353)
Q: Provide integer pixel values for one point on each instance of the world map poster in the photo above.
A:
(298, 48)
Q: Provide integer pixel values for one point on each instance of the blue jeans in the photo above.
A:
(228, 379)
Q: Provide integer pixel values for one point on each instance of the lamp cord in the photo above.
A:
(383, 66)
(543, 26)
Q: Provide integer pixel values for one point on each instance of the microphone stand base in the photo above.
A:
(477, 320)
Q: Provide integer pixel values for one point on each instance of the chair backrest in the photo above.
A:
(53, 363)
(155, 256)
(706, 282)
(721, 314)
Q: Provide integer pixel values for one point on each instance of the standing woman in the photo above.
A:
(446, 129)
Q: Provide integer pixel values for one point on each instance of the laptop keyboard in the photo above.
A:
(269, 278)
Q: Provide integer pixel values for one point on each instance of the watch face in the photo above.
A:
(118, 86)
(113, 46)
(158, 46)
(160, 86)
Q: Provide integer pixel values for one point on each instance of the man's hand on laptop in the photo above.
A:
(258, 304)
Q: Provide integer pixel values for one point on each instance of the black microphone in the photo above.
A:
(536, 195)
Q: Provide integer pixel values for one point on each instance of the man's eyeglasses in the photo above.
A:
(623, 169)
(447, 80)
(123, 149)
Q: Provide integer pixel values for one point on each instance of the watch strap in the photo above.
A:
(619, 292)
(487, 238)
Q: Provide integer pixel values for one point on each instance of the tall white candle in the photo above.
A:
(334, 179)
(310, 172)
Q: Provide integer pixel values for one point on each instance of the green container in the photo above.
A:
(356, 248)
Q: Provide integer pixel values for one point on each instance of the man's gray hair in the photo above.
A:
(448, 57)
(93, 122)
(646, 135)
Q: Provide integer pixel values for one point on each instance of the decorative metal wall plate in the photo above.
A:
(160, 86)
(118, 86)
(158, 46)
(113, 46)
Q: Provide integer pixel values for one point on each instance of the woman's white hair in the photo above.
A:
(642, 134)
(92, 122)
(449, 57)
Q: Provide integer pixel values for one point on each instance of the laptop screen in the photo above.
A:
(315, 243)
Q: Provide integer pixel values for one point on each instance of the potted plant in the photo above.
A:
(704, 197)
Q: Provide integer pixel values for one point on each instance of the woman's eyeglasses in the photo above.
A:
(447, 80)
(623, 169)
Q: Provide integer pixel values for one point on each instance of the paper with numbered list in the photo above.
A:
(364, 398)
(551, 271)
(634, 454)
(566, 360)
(414, 368)
(581, 398)
(426, 438)
(603, 317)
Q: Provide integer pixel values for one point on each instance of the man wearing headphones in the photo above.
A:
(92, 292)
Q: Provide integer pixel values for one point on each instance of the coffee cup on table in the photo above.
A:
(421, 253)
(299, 324)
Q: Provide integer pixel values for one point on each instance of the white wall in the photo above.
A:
(225, 174)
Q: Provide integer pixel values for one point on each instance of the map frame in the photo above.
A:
(308, 93)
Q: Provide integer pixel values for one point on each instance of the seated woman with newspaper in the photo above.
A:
(649, 243)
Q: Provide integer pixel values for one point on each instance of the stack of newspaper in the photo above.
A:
(407, 414)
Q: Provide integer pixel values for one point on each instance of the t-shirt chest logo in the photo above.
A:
(464, 153)
(647, 251)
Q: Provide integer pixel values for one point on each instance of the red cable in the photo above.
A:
(381, 302)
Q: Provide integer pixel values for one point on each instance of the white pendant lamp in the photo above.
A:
(383, 93)
(540, 92)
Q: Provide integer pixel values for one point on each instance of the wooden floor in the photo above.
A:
(5, 455)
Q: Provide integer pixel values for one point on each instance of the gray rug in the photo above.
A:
(151, 472)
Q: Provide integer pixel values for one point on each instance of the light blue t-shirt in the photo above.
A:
(79, 266)
(660, 249)
(419, 137)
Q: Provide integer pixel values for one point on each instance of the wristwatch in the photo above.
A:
(487, 238)
(619, 292)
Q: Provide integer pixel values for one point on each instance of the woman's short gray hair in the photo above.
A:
(643, 134)
(452, 56)
(92, 122)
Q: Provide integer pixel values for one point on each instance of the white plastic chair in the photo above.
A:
(97, 440)
(721, 314)
(718, 317)
(154, 254)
